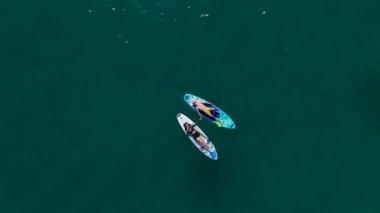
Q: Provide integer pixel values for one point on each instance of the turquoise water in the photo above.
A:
(90, 91)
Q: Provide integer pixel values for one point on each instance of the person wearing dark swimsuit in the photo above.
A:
(196, 135)
(208, 110)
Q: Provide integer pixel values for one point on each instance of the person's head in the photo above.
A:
(187, 125)
(195, 104)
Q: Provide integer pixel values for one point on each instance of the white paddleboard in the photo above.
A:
(212, 153)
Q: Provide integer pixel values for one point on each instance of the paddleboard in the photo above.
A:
(227, 121)
(182, 119)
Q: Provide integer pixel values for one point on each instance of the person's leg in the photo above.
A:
(215, 112)
(203, 141)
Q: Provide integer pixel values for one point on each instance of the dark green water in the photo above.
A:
(89, 96)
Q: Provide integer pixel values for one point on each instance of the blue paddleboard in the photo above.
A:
(227, 121)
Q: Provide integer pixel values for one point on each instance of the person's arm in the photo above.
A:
(200, 116)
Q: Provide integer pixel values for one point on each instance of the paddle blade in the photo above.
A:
(218, 123)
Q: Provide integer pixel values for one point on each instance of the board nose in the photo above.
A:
(214, 156)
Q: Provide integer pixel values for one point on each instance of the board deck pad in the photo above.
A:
(212, 153)
(227, 121)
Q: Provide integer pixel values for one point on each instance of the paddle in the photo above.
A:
(218, 123)
(195, 124)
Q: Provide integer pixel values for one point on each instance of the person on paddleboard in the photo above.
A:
(207, 109)
(196, 135)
